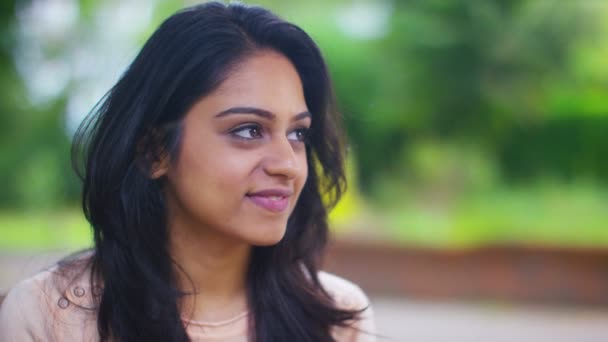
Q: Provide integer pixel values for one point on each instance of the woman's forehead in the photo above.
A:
(265, 80)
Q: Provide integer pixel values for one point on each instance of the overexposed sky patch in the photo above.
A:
(59, 54)
(365, 19)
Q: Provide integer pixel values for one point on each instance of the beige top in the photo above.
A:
(37, 309)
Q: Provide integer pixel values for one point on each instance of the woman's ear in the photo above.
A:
(160, 167)
(152, 159)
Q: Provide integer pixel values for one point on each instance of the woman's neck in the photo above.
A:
(212, 268)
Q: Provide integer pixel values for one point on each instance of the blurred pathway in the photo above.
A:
(423, 321)
(403, 319)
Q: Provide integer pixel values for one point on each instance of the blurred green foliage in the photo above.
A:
(480, 71)
(469, 121)
(34, 147)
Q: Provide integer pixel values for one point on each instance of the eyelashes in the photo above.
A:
(250, 132)
(300, 134)
(247, 132)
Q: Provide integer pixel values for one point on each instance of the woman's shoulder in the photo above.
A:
(345, 293)
(49, 306)
(349, 296)
(21, 309)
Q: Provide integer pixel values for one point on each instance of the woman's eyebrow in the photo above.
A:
(259, 112)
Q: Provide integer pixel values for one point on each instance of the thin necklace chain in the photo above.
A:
(217, 323)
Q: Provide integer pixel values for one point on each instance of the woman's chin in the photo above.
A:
(269, 238)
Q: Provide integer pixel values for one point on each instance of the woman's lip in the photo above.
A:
(272, 192)
(275, 204)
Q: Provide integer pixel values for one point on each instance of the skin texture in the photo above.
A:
(225, 157)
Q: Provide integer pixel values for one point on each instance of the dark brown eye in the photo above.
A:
(299, 134)
(248, 132)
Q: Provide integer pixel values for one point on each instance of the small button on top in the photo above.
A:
(63, 302)
(78, 291)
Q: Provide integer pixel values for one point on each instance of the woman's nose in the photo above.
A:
(282, 159)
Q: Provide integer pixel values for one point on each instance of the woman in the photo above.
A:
(205, 172)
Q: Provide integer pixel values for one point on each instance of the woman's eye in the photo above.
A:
(248, 132)
(299, 134)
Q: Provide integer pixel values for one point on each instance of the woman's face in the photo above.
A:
(242, 159)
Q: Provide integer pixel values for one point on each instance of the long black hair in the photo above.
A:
(139, 119)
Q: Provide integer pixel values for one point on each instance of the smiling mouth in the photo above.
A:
(273, 200)
(275, 204)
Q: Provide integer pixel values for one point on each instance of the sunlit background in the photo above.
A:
(476, 127)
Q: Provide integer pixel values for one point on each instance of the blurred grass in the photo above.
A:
(572, 216)
(43, 230)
